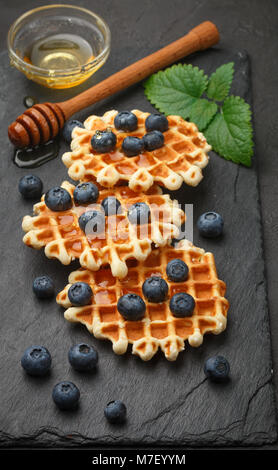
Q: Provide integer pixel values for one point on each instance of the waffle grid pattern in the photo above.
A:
(159, 328)
(60, 234)
(181, 158)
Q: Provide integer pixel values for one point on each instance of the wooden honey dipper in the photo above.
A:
(43, 122)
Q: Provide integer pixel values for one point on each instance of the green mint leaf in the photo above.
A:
(202, 112)
(176, 89)
(230, 132)
(220, 82)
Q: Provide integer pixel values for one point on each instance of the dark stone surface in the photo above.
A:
(168, 403)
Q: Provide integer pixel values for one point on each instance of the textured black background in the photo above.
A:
(251, 25)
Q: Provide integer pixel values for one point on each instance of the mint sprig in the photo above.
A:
(225, 120)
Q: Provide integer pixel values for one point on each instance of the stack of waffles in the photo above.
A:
(118, 262)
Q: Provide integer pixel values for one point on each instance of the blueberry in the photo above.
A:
(58, 199)
(104, 141)
(111, 206)
(68, 128)
(36, 360)
(83, 357)
(217, 368)
(43, 287)
(115, 412)
(156, 122)
(66, 395)
(131, 307)
(155, 289)
(132, 146)
(92, 222)
(210, 224)
(80, 293)
(182, 305)
(153, 140)
(139, 213)
(85, 193)
(177, 270)
(126, 121)
(30, 187)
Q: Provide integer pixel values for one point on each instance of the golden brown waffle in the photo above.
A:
(181, 158)
(60, 234)
(159, 328)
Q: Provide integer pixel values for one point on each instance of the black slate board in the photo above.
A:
(168, 403)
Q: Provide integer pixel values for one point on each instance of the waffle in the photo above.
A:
(181, 158)
(159, 328)
(60, 234)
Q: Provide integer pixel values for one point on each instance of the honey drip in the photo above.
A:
(37, 156)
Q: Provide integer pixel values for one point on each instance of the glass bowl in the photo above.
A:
(30, 32)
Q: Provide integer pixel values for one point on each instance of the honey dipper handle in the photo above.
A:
(202, 37)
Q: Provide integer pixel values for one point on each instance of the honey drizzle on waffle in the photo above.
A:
(181, 158)
(60, 234)
(159, 328)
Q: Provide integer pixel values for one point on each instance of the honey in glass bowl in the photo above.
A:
(59, 46)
